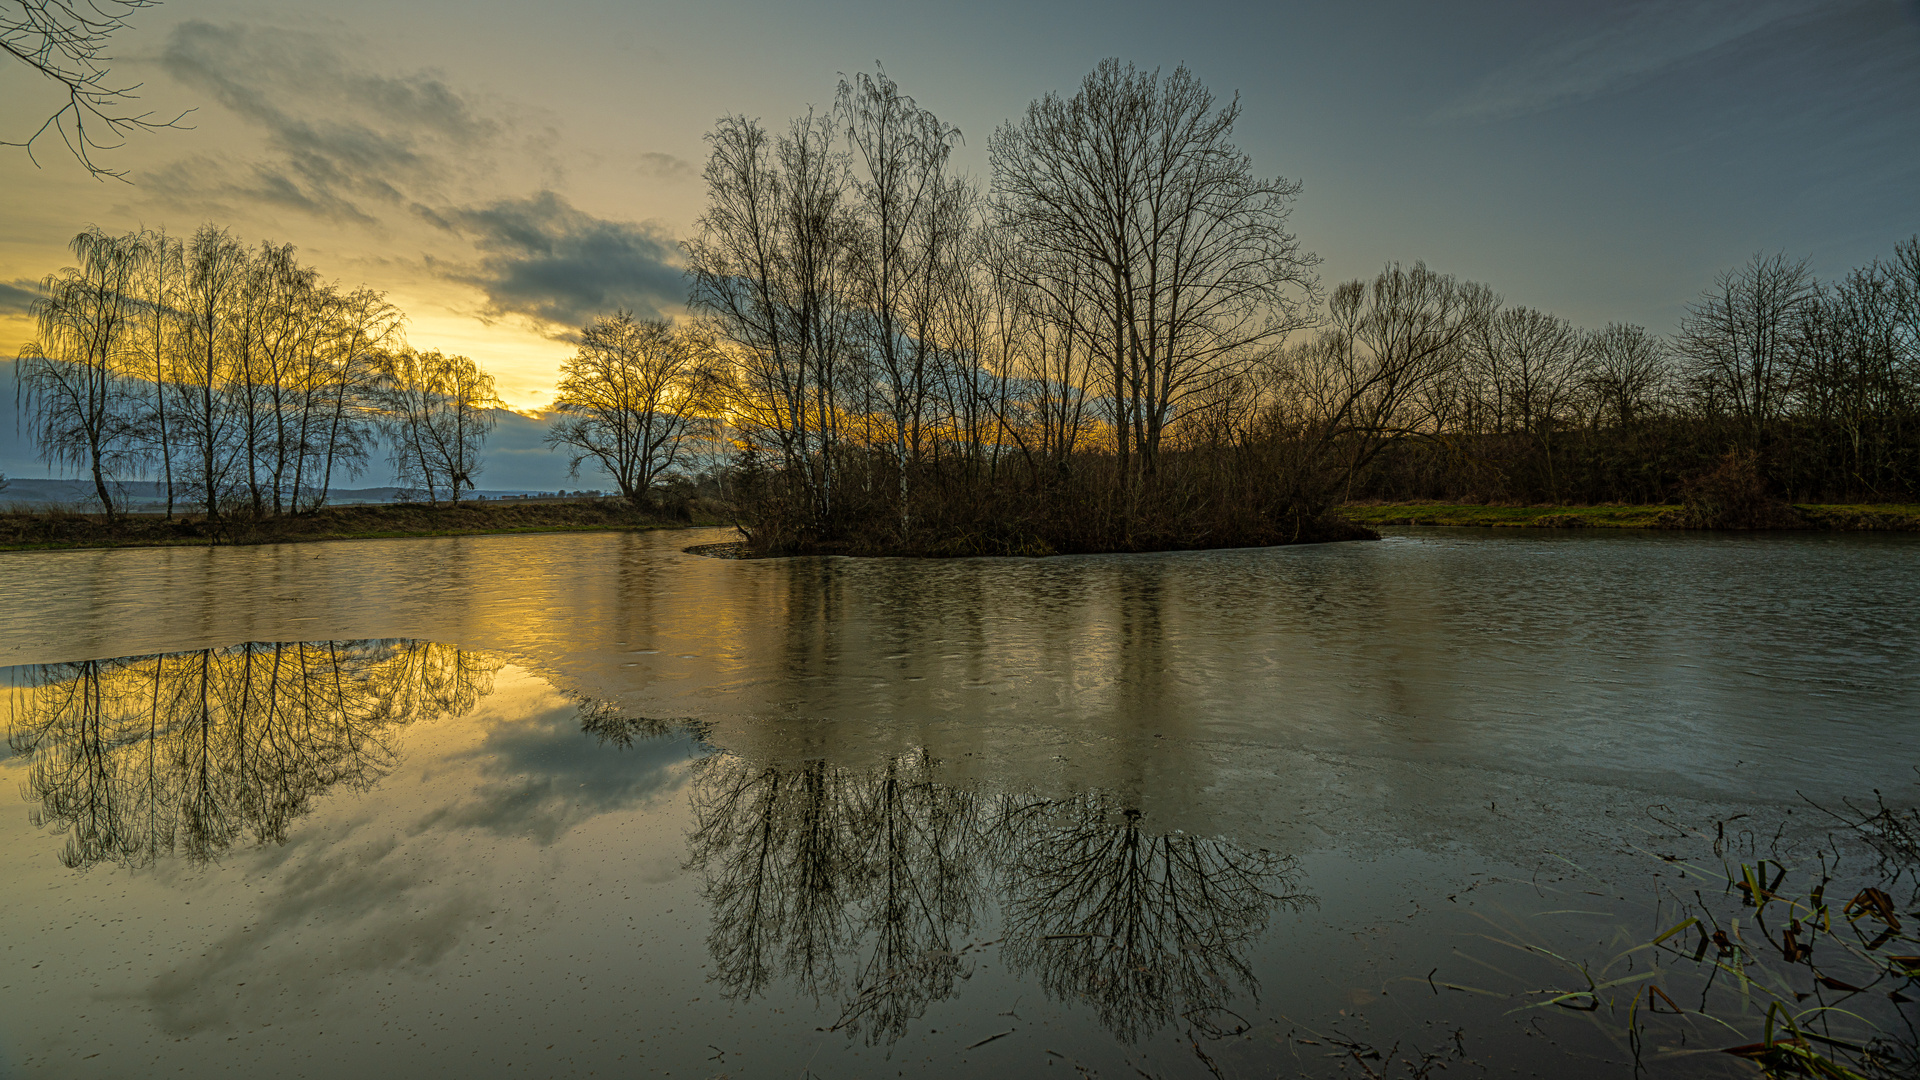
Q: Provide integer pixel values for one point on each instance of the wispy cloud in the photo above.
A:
(381, 904)
(666, 167)
(343, 142)
(397, 150)
(1616, 47)
(17, 296)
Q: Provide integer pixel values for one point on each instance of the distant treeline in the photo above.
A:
(238, 377)
(1811, 389)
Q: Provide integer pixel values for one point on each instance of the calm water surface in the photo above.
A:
(588, 805)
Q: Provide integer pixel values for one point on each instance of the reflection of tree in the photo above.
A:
(919, 848)
(806, 865)
(607, 722)
(1144, 928)
(857, 885)
(192, 752)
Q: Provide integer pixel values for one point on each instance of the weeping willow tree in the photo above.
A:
(239, 376)
(73, 387)
(437, 410)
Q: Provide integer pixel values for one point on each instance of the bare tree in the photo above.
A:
(1534, 365)
(203, 382)
(771, 267)
(66, 41)
(1630, 374)
(1135, 187)
(1369, 379)
(1039, 354)
(73, 383)
(365, 325)
(631, 399)
(1738, 339)
(244, 377)
(159, 282)
(900, 154)
(1851, 391)
(438, 411)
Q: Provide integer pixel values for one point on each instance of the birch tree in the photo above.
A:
(437, 411)
(73, 386)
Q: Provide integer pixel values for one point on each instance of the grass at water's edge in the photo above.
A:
(41, 530)
(1888, 517)
(22, 530)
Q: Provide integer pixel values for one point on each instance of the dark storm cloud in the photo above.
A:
(344, 142)
(17, 296)
(544, 259)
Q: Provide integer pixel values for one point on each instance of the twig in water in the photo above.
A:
(990, 1038)
(1202, 1055)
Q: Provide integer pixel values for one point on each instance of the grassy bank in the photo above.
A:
(1861, 518)
(38, 530)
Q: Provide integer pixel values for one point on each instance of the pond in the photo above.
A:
(586, 804)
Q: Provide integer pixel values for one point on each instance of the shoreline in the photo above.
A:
(1812, 517)
(42, 531)
(22, 530)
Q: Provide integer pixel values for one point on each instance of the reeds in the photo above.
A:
(1805, 966)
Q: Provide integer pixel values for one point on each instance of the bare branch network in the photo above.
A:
(66, 41)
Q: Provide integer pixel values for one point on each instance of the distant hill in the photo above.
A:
(516, 457)
(140, 494)
(152, 495)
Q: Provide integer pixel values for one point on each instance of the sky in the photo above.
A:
(505, 173)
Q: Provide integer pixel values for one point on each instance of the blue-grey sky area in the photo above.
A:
(506, 173)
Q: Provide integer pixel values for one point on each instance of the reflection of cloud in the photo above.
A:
(545, 259)
(374, 907)
(547, 777)
(1631, 43)
(17, 296)
(403, 903)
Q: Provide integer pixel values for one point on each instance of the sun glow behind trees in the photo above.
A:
(239, 377)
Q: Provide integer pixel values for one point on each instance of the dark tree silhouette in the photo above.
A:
(1147, 929)
(66, 41)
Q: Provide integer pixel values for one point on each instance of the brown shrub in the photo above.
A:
(1733, 494)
